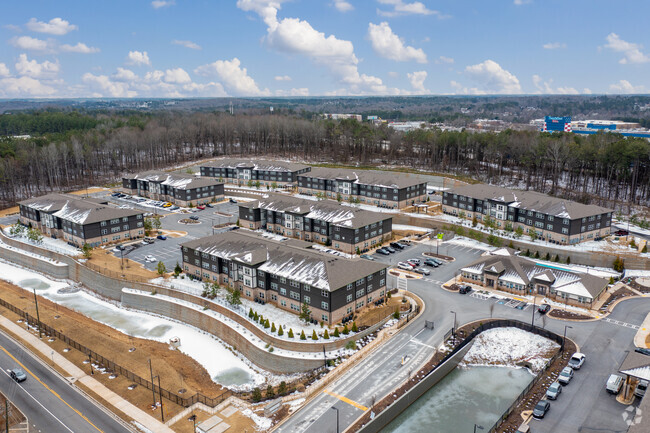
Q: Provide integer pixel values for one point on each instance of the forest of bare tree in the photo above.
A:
(604, 168)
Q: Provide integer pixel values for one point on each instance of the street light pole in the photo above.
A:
(337, 417)
(564, 337)
(476, 426)
(153, 387)
(453, 328)
(38, 317)
(532, 322)
(162, 415)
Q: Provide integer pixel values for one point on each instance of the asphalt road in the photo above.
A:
(584, 406)
(50, 403)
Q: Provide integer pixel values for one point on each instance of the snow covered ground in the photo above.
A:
(508, 346)
(467, 242)
(407, 227)
(55, 245)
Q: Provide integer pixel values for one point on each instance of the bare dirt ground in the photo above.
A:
(237, 422)
(9, 211)
(177, 371)
(370, 316)
(89, 191)
(406, 233)
(105, 260)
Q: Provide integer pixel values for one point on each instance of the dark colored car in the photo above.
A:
(162, 237)
(115, 194)
(232, 200)
(390, 249)
(397, 246)
(621, 233)
(464, 290)
(194, 217)
(643, 350)
(208, 205)
(383, 251)
(541, 408)
(18, 375)
(431, 263)
(544, 308)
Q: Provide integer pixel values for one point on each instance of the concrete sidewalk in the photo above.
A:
(77, 374)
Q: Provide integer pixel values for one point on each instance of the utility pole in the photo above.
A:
(38, 317)
(153, 387)
(162, 415)
(6, 415)
(90, 362)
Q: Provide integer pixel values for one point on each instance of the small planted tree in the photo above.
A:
(619, 264)
(519, 232)
(177, 270)
(161, 269)
(269, 389)
(326, 335)
(396, 314)
(17, 230)
(261, 320)
(354, 327)
(474, 221)
(537, 254)
(282, 388)
(302, 335)
(234, 297)
(250, 313)
(314, 336)
(35, 235)
(547, 257)
(280, 331)
(87, 250)
(346, 331)
(267, 324)
(305, 312)
(255, 316)
(256, 395)
(568, 260)
(336, 332)
(273, 327)
(290, 334)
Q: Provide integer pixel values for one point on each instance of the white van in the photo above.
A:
(641, 388)
(614, 384)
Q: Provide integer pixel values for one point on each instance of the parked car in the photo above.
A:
(115, 194)
(576, 361)
(367, 257)
(423, 271)
(541, 408)
(565, 376)
(405, 266)
(383, 251)
(544, 308)
(118, 248)
(390, 249)
(553, 391)
(174, 207)
(621, 233)
(201, 207)
(162, 237)
(194, 218)
(431, 263)
(397, 246)
(149, 259)
(168, 204)
(208, 205)
(642, 350)
(232, 200)
(18, 375)
(614, 384)
(464, 290)
(641, 388)
(418, 262)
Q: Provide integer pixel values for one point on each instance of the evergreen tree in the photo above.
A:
(354, 327)
(290, 333)
(280, 331)
(326, 335)
(256, 395)
(269, 390)
(336, 332)
(273, 327)
(346, 331)
(250, 313)
(302, 335)
(314, 336)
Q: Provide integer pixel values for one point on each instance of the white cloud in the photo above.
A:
(554, 45)
(29, 43)
(157, 4)
(187, 44)
(138, 58)
(123, 74)
(390, 46)
(343, 5)
(295, 36)
(547, 87)
(233, 76)
(32, 68)
(445, 60)
(79, 48)
(302, 91)
(493, 78)
(177, 76)
(4, 70)
(282, 78)
(624, 86)
(417, 81)
(632, 52)
(24, 86)
(56, 26)
(402, 8)
(104, 86)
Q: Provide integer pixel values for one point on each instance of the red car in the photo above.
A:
(200, 207)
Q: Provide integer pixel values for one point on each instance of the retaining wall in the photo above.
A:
(57, 271)
(261, 357)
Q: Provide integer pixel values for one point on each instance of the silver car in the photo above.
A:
(553, 391)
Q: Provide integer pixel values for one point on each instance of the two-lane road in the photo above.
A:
(50, 403)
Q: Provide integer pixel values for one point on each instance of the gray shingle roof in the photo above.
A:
(530, 200)
(257, 164)
(324, 210)
(175, 180)
(77, 209)
(289, 259)
(366, 177)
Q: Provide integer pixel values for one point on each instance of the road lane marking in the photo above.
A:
(620, 323)
(346, 400)
(50, 389)
(423, 344)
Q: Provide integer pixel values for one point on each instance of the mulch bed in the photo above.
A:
(538, 391)
(639, 287)
(188, 221)
(439, 256)
(455, 287)
(622, 292)
(566, 314)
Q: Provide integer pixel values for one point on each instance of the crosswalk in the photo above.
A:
(431, 280)
(620, 323)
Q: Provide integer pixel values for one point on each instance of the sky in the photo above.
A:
(223, 48)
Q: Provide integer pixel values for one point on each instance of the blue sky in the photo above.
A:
(205, 48)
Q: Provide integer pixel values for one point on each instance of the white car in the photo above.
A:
(149, 259)
(577, 360)
(405, 266)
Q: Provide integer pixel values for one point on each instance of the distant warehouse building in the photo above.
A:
(179, 189)
(287, 273)
(80, 221)
(549, 218)
(385, 189)
(345, 228)
(243, 172)
(590, 127)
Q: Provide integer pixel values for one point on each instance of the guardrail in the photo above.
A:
(114, 367)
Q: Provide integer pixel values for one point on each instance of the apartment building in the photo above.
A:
(377, 188)
(504, 270)
(80, 221)
(549, 218)
(182, 190)
(286, 273)
(345, 228)
(245, 172)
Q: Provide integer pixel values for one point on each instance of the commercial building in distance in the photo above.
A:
(80, 221)
(345, 228)
(287, 273)
(385, 189)
(245, 172)
(179, 189)
(549, 218)
(503, 270)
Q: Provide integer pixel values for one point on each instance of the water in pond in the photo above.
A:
(466, 396)
(224, 367)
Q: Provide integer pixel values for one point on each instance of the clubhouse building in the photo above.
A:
(179, 189)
